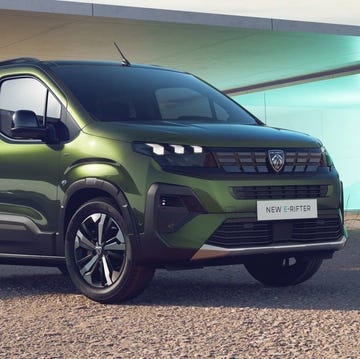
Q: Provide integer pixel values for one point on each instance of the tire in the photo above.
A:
(98, 254)
(280, 271)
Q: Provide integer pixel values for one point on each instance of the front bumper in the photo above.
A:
(178, 231)
(209, 251)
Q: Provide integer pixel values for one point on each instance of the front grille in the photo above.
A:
(257, 161)
(327, 229)
(279, 192)
(235, 233)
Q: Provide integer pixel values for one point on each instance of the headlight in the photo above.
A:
(175, 155)
(325, 160)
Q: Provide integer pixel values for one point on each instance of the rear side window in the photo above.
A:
(26, 94)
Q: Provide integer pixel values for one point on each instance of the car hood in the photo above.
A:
(214, 135)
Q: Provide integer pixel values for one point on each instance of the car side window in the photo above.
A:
(26, 94)
(53, 108)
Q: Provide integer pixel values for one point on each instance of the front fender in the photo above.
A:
(107, 170)
(107, 177)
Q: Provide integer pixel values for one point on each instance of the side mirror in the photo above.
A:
(26, 126)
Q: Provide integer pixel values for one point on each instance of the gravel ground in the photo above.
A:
(216, 312)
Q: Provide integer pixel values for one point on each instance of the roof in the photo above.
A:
(21, 61)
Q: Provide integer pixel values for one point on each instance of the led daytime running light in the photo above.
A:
(161, 150)
(197, 149)
(157, 149)
(178, 149)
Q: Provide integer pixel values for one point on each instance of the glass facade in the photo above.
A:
(328, 109)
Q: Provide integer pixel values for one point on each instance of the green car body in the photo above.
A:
(186, 190)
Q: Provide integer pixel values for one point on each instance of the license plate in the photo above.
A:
(286, 209)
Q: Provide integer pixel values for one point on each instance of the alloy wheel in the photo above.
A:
(99, 250)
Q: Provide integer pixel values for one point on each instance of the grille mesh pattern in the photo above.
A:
(279, 192)
(236, 233)
(233, 233)
(317, 229)
(256, 161)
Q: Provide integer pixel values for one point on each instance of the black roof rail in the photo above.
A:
(19, 60)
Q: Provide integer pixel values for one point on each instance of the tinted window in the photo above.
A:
(26, 94)
(22, 94)
(121, 93)
(182, 103)
(53, 109)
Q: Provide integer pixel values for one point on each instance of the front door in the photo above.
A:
(29, 172)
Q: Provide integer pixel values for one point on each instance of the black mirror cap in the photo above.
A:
(25, 118)
(26, 126)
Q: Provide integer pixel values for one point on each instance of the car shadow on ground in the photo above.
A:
(336, 286)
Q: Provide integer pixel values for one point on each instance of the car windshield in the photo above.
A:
(147, 94)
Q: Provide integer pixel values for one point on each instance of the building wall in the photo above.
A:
(335, 119)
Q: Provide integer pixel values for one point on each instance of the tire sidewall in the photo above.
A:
(270, 271)
(101, 205)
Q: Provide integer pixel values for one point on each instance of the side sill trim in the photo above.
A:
(32, 257)
(208, 251)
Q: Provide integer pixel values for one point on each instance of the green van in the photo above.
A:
(111, 170)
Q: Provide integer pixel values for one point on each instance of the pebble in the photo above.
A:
(210, 313)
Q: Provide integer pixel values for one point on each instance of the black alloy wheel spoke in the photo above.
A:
(87, 232)
(113, 245)
(84, 242)
(87, 268)
(100, 250)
